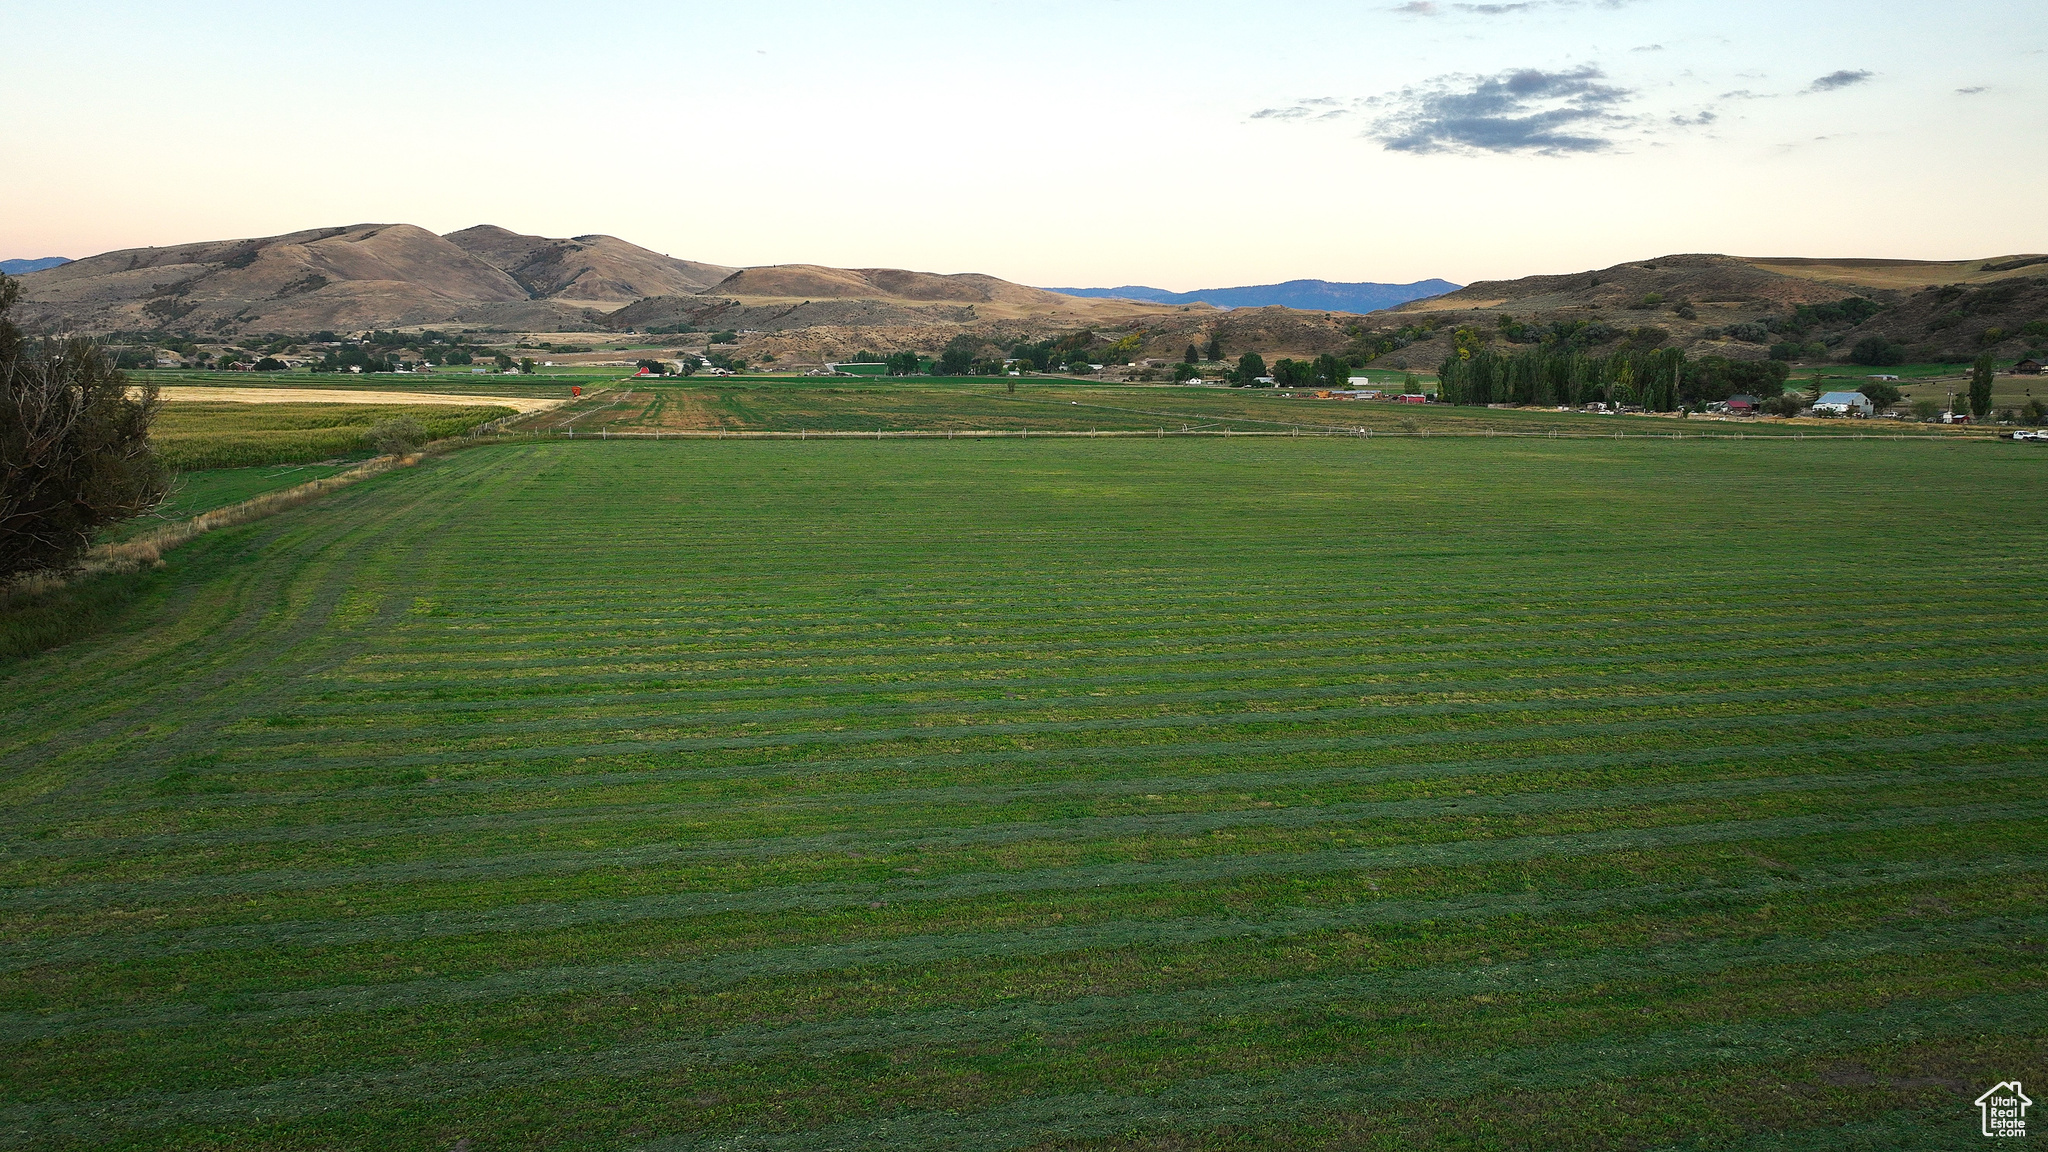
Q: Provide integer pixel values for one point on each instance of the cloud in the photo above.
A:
(1530, 110)
(1971, 91)
(1417, 8)
(1493, 9)
(1648, 48)
(1841, 79)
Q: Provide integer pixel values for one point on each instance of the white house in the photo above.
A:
(1843, 404)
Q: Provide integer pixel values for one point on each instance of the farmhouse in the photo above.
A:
(1742, 404)
(1843, 404)
(2031, 366)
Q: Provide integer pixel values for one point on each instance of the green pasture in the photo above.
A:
(195, 492)
(196, 435)
(1053, 405)
(1050, 794)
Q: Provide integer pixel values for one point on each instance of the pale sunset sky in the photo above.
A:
(1182, 145)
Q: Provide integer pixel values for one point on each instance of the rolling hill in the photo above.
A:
(585, 270)
(1740, 307)
(358, 277)
(486, 278)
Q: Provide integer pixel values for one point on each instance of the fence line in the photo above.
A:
(493, 431)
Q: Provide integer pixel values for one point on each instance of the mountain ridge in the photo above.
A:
(1359, 297)
(21, 267)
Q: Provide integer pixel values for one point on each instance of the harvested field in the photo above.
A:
(217, 434)
(173, 392)
(1050, 794)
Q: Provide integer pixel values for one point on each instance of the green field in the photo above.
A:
(1055, 794)
(195, 492)
(194, 435)
(1047, 405)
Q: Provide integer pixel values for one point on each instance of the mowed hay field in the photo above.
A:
(1051, 794)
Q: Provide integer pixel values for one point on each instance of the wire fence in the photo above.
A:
(494, 431)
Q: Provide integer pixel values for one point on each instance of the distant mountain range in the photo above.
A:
(1308, 295)
(17, 267)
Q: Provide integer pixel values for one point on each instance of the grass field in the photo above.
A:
(193, 435)
(1051, 794)
(640, 407)
(195, 492)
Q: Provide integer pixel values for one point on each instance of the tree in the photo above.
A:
(527, 365)
(1250, 367)
(903, 364)
(1190, 357)
(1880, 393)
(1877, 352)
(1926, 411)
(503, 362)
(74, 447)
(652, 367)
(726, 337)
(1332, 372)
(1980, 386)
(1214, 352)
(1185, 372)
(958, 356)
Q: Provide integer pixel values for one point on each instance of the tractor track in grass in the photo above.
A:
(885, 795)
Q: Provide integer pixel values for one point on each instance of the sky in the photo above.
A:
(1182, 145)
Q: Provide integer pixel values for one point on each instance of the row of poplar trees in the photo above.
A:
(1559, 375)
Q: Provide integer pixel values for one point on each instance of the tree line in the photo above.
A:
(1559, 375)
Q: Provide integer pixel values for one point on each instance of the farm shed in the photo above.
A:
(1843, 404)
(1742, 402)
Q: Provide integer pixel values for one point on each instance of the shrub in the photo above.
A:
(397, 436)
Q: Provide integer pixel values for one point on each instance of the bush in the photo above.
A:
(1786, 404)
(1880, 393)
(1749, 332)
(1926, 411)
(397, 436)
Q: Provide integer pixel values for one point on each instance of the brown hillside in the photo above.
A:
(815, 282)
(368, 275)
(2007, 317)
(586, 269)
(1699, 278)
(1903, 275)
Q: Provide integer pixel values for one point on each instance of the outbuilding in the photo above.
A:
(1844, 404)
(1742, 403)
